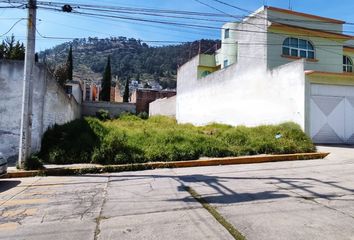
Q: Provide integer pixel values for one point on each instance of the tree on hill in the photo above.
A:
(61, 74)
(64, 72)
(129, 57)
(69, 64)
(106, 82)
(126, 91)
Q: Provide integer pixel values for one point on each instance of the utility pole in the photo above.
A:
(27, 92)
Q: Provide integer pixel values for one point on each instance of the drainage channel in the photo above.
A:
(218, 217)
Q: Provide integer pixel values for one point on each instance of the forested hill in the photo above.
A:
(129, 57)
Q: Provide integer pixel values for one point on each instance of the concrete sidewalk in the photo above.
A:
(281, 200)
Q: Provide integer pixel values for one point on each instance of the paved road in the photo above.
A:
(284, 200)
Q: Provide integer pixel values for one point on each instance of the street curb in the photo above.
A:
(177, 164)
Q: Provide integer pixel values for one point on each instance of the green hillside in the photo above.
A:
(130, 58)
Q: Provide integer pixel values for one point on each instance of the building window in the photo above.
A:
(226, 63)
(227, 33)
(205, 73)
(88, 93)
(69, 89)
(347, 64)
(296, 47)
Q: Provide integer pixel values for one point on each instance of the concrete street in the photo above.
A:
(284, 200)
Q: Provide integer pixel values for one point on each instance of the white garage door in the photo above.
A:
(332, 114)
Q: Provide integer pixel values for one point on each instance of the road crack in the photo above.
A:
(100, 217)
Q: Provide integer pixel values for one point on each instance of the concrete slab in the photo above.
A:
(78, 230)
(193, 224)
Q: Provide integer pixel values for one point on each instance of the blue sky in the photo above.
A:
(70, 25)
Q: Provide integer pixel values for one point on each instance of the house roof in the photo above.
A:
(328, 20)
(310, 31)
(334, 74)
(348, 49)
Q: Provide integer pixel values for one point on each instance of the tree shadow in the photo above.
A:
(219, 193)
(8, 184)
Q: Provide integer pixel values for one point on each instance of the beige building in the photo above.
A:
(274, 66)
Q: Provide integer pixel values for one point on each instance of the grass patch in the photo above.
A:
(131, 139)
(218, 217)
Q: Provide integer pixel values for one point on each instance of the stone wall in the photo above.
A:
(90, 108)
(50, 105)
(164, 107)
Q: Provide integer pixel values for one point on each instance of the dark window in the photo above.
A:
(294, 52)
(88, 93)
(298, 48)
(347, 64)
(205, 73)
(286, 51)
(227, 33)
(302, 53)
(226, 63)
(69, 89)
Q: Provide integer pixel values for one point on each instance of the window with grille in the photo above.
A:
(347, 64)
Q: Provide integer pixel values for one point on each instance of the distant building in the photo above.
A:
(75, 89)
(91, 91)
(143, 97)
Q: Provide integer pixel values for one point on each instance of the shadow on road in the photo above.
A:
(8, 184)
(225, 195)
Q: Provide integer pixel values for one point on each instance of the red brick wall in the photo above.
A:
(144, 97)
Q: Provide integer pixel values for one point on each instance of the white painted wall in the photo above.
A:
(242, 95)
(163, 106)
(237, 47)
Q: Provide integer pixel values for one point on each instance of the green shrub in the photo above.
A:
(72, 142)
(102, 115)
(33, 163)
(143, 115)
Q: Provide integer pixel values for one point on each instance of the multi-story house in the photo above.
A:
(276, 65)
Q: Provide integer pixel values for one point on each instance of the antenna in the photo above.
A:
(290, 8)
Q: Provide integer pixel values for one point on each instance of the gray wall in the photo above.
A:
(50, 105)
(90, 108)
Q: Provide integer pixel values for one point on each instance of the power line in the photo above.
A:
(233, 6)
(13, 25)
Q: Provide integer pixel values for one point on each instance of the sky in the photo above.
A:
(68, 25)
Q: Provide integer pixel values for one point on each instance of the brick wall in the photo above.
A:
(145, 96)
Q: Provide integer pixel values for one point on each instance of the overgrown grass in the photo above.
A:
(131, 139)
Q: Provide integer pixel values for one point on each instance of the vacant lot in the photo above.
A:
(130, 139)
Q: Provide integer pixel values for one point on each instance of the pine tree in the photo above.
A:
(69, 64)
(126, 91)
(9, 46)
(2, 50)
(12, 49)
(106, 82)
(18, 52)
